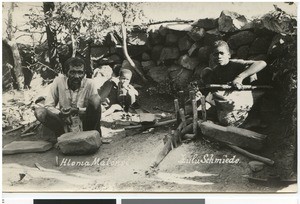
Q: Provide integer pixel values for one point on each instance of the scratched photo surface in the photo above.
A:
(149, 97)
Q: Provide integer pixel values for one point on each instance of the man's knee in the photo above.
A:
(40, 114)
(95, 101)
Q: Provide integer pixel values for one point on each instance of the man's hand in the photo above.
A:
(237, 83)
(65, 112)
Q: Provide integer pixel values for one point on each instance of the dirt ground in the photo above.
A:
(126, 162)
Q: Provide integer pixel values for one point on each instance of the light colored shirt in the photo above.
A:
(61, 95)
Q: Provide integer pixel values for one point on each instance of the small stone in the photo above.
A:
(158, 74)
(184, 43)
(106, 141)
(188, 62)
(197, 33)
(147, 65)
(156, 52)
(17, 147)
(169, 53)
(155, 38)
(146, 56)
(171, 39)
(86, 142)
(256, 166)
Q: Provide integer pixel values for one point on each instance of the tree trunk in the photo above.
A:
(74, 44)
(89, 70)
(14, 48)
(51, 37)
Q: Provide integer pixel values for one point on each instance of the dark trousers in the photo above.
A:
(90, 120)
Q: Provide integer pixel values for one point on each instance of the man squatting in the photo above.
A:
(76, 95)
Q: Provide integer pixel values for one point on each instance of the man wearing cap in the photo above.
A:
(74, 95)
(118, 94)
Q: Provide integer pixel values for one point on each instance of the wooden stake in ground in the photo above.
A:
(192, 95)
(181, 100)
(183, 121)
(176, 105)
(195, 116)
(172, 142)
(203, 108)
(127, 55)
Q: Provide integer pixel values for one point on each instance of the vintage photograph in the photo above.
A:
(149, 97)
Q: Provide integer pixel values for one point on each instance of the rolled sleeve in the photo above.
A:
(52, 97)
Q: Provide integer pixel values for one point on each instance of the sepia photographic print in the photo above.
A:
(169, 97)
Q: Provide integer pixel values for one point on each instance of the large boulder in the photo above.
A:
(158, 74)
(188, 62)
(231, 21)
(86, 142)
(168, 53)
(184, 43)
(260, 45)
(241, 38)
(197, 33)
(207, 23)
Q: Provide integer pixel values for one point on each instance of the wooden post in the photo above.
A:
(176, 104)
(183, 120)
(192, 95)
(182, 117)
(195, 116)
(203, 108)
(181, 100)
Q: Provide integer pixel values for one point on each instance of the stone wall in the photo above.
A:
(177, 52)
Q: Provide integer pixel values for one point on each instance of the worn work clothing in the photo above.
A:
(61, 95)
(227, 73)
(85, 98)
